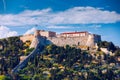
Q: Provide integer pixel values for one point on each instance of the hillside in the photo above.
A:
(59, 63)
(11, 50)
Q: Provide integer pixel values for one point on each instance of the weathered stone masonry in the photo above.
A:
(70, 38)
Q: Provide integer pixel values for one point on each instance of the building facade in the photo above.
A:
(74, 34)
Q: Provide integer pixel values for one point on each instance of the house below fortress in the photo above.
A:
(82, 39)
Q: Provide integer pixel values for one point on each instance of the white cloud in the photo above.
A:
(46, 17)
(6, 32)
(30, 31)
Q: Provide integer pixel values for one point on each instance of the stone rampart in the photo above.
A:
(87, 40)
(61, 41)
(24, 38)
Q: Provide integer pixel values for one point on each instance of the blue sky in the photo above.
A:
(101, 17)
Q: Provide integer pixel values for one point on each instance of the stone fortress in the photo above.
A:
(67, 38)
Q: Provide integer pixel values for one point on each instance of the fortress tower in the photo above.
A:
(38, 39)
(35, 40)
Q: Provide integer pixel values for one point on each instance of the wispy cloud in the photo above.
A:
(47, 17)
(60, 27)
(96, 27)
(6, 32)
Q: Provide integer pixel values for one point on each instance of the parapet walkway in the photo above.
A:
(24, 62)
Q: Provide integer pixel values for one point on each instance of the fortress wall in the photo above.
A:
(27, 37)
(38, 40)
(44, 34)
(61, 41)
(88, 40)
(93, 39)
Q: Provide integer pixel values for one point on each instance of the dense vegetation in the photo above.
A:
(109, 45)
(10, 55)
(59, 63)
(69, 63)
